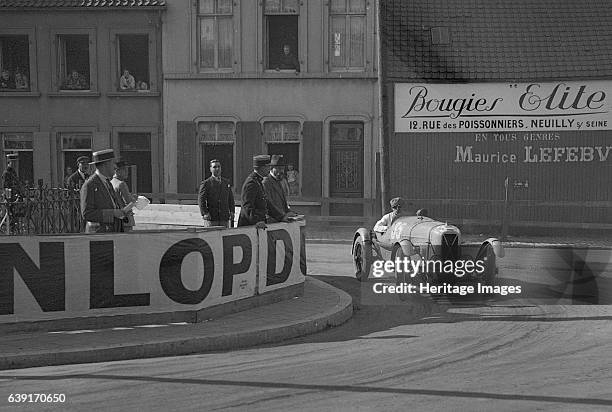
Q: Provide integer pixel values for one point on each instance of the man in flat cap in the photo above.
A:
(216, 198)
(76, 180)
(255, 205)
(100, 206)
(398, 208)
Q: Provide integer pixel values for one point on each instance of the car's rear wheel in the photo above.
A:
(362, 259)
(487, 255)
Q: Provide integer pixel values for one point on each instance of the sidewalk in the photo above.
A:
(321, 306)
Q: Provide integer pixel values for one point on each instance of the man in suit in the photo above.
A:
(9, 178)
(273, 187)
(255, 205)
(100, 206)
(216, 199)
(76, 180)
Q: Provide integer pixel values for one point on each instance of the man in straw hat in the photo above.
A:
(255, 205)
(100, 207)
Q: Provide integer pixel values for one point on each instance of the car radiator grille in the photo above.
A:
(450, 247)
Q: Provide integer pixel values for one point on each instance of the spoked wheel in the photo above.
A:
(487, 255)
(362, 260)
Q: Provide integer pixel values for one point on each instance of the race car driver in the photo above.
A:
(398, 206)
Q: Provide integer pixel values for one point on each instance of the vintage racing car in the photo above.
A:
(422, 238)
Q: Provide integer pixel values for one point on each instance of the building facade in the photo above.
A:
(485, 101)
(297, 78)
(63, 95)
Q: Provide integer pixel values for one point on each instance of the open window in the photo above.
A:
(135, 148)
(282, 40)
(73, 146)
(14, 63)
(133, 63)
(21, 144)
(74, 70)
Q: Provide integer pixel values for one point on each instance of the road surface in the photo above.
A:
(548, 349)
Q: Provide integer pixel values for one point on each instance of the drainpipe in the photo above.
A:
(381, 129)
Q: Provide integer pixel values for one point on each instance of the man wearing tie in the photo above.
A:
(100, 206)
(216, 198)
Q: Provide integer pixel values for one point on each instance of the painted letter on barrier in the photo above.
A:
(273, 237)
(303, 250)
(170, 271)
(47, 283)
(102, 287)
(229, 267)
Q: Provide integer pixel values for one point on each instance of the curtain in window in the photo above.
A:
(225, 41)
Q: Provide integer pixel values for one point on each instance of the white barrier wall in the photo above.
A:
(55, 277)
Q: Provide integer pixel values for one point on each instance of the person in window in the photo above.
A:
(293, 180)
(76, 81)
(127, 82)
(398, 208)
(288, 60)
(21, 80)
(143, 86)
(5, 80)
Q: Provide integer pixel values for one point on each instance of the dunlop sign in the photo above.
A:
(54, 277)
(477, 107)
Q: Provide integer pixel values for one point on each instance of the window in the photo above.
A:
(133, 53)
(284, 138)
(20, 143)
(135, 148)
(14, 63)
(281, 19)
(73, 145)
(73, 62)
(347, 34)
(215, 21)
(217, 142)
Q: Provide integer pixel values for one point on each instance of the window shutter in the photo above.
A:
(311, 159)
(248, 144)
(186, 157)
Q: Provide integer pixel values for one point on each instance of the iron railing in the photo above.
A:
(42, 210)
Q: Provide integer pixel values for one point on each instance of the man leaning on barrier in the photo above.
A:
(100, 206)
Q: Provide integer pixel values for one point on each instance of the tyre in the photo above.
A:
(362, 259)
(400, 276)
(487, 255)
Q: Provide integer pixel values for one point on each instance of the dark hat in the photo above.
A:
(121, 163)
(277, 160)
(396, 202)
(82, 159)
(261, 160)
(102, 156)
(12, 156)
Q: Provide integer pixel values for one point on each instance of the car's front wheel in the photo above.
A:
(487, 255)
(362, 259)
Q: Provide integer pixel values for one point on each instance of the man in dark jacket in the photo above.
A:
(100, 207)
(274, 189)
(10, 180)
(76, 180)
(255, 205)
(216, 199)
